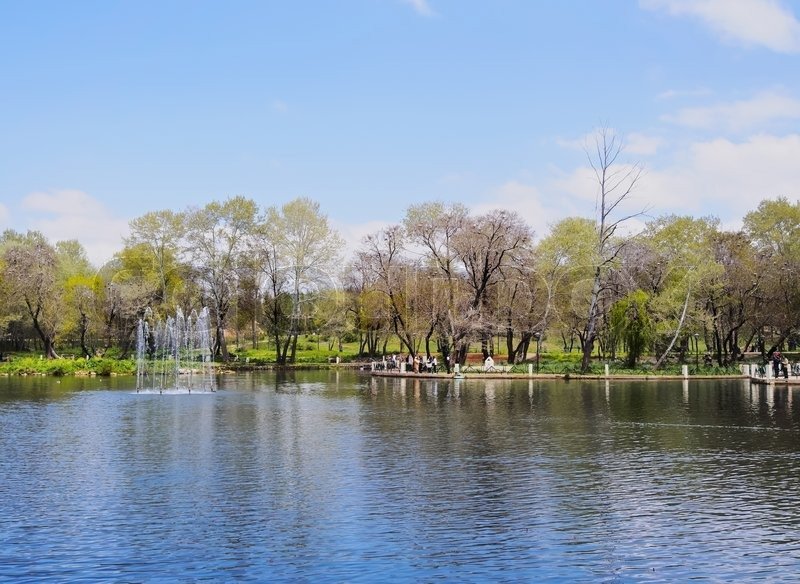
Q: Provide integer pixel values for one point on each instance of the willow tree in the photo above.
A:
(632, 325)
(367, 309)
(394, 276)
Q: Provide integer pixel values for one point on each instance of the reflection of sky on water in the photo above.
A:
(338, 476)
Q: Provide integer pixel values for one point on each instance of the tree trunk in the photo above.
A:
(591, 325)
(677, 331)
(84, 325)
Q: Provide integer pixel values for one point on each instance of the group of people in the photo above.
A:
(780, 365)
(415, 364)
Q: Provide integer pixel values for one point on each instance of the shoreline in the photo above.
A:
(561, 376)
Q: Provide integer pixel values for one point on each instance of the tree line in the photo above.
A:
(440, 280)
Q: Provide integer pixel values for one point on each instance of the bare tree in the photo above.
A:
(487, 246)
(615, 183)
(435, 227)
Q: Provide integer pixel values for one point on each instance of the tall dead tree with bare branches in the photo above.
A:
(615, 181)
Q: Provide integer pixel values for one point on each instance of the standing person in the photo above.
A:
(776, 363)
(785, 367)
(434, 365)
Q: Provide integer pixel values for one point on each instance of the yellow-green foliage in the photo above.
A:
(59, 367)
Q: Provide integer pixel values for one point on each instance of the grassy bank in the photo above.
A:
(26, 365)
(309, 356)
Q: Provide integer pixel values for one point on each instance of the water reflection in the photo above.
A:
(339, 476)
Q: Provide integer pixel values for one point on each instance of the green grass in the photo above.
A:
(311, 353)
(27, 365)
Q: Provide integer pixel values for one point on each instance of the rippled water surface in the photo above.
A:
(326, 476)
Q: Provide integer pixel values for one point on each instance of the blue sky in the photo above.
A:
(112, 109)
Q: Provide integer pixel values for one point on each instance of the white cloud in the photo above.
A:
(642, 144)
(578, 191)
(354, 233)
(421, 7)
(740, 115)
(573, 143)
(766, 23)
(72, 214)
(719, 177)
(527, 200)
(727, 178)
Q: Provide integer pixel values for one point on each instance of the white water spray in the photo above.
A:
(175, 354)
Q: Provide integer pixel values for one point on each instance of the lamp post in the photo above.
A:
(697, 350)
(538, 338)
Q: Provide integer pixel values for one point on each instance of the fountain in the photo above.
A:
(174, 355)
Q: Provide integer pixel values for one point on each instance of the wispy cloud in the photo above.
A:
(421, 7)
(683, 93)
(71, 214)
(740, 115)
(765, 23)
(353, 234)
(635, 143)
(717, 172)
(538, 207)
(642, 144)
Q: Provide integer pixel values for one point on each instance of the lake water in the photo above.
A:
(325, 476)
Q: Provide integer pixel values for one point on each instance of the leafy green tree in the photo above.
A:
(367, 307)
(673, 261)
(299, 254)
(159, 234)
(564, 260)
(215, 238)
(313, 252)
(732, 295)
(774, 230)
(30, 275)
(632, 325)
